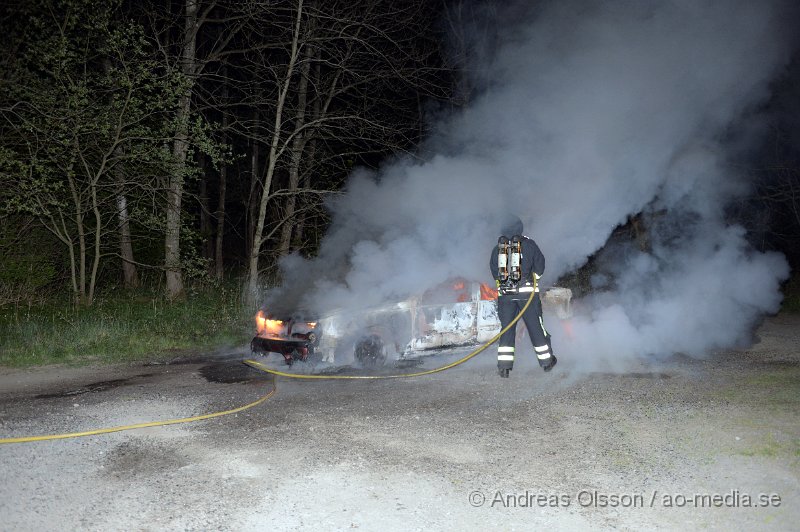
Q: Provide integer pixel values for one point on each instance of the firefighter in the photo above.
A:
(515, 262)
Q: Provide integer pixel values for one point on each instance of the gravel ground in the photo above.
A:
(459, 450)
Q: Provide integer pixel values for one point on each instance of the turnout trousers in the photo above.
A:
(508, 306)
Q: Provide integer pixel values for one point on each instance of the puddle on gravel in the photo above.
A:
(177, 362)
(301, 368)
(231, 373)
(100, 386)
(405, 363)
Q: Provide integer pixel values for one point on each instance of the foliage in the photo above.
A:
(29, 263)
(84, 119)
(108, 100)
(27, 258)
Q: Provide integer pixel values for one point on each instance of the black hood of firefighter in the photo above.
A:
(511, 225)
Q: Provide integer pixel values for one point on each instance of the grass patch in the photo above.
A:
(121, 327)
(775, 389)
(772, 448)
(763, 411)
(779, 388)
(768, 449)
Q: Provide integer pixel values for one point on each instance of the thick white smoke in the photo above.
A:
(595, 111)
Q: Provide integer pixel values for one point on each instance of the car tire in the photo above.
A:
(370, 351)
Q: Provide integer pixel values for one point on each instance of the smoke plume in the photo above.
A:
(593, 112)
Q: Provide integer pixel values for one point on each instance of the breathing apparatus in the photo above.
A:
(516, 256)
(503, 252)
(509, 261)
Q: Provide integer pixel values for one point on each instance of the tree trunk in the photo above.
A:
(223, 181)
(172, 249)
(258, 236)
(300, 226)
(130, 276)
(289, 208)
(311, 144)
(98, 229)
(180, 150)
(81, 294)
(296, 154)
(205, 215)
(129, 273)
(251, 198)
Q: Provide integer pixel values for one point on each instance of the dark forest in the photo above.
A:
(162, 156)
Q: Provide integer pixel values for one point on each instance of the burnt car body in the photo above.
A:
(455, 314)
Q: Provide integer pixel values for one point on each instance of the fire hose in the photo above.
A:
(274, 389)
(25, 439)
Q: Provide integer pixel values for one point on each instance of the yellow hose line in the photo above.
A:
(262, 367)
(143, 425)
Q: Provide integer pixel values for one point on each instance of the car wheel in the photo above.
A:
(370, 351)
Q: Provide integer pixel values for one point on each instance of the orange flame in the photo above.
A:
(266, 326)
(487, 292)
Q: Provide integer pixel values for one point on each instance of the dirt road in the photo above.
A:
(678, 444)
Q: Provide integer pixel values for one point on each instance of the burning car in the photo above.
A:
(455, 314)
(291, 336)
